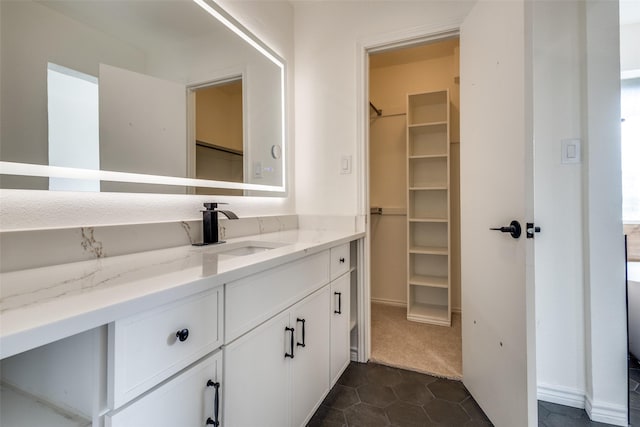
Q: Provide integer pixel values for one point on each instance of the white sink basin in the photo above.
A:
(244, 248)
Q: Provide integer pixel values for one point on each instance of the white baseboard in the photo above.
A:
(605, 412)
(388, 302)
(567, 396)
(561, 395)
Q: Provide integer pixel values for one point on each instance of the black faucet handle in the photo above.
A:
(213, 205)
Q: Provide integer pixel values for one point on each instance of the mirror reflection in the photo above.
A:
(140, 86)
(219, 133)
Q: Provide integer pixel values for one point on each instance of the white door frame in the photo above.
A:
(378, 43)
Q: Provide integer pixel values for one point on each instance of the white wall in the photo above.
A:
(629, 51)
(602, 191)
(20, 209)
(326, 35)
(581, 333)
(558, 75)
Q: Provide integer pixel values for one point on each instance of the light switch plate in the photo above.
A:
(571, 151)
(257, 169)
(345, 165)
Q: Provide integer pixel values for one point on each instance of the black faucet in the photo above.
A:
(210, 223)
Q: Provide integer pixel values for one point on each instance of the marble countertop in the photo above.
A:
(43, 305)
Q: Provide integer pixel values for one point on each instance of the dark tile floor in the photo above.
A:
(634, 391)
(371, 395)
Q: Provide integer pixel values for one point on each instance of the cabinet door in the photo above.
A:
(257, 390)
(310, 367)
(340, 325)
(186, 400)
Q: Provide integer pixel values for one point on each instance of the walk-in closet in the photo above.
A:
(414, 194)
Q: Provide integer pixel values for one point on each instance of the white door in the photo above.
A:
(498, 336)
(145, 118)
(310, 376)
(257, 376)
(340, 312)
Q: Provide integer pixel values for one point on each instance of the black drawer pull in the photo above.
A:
(303, 332)
(341, 260)
(288, 329)
(216, 404)
(339, 310)
(182, 334)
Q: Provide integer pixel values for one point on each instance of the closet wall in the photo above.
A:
(391, 76)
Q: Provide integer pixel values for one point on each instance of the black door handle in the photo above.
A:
(303, 331)
(514, 229)
(216, 404)
(288, 329)
(339, 310)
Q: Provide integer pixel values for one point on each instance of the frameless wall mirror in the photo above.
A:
(138, 96)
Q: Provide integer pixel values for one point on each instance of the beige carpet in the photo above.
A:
(398, 342)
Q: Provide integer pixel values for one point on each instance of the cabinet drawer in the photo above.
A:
(187, 400)
(340, 262)
(256, 298)
(145, 349)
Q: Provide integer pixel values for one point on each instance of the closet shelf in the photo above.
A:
(429, 313)
(426, 124)
(428, 188)
(430, 281)
(429, 250)
(415, 219)
(429, 156)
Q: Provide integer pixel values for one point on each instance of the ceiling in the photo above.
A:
(143, 23)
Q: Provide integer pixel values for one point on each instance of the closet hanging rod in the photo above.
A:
(376, 210)
(378, 111)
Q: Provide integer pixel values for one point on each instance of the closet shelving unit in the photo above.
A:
(428, 201)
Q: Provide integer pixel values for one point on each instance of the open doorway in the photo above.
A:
(414, 193)
(219, 131)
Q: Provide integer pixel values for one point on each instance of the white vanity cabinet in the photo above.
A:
(298, 341)
(271, 378)
(261, 350)
(191, 399)
(133, 372)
